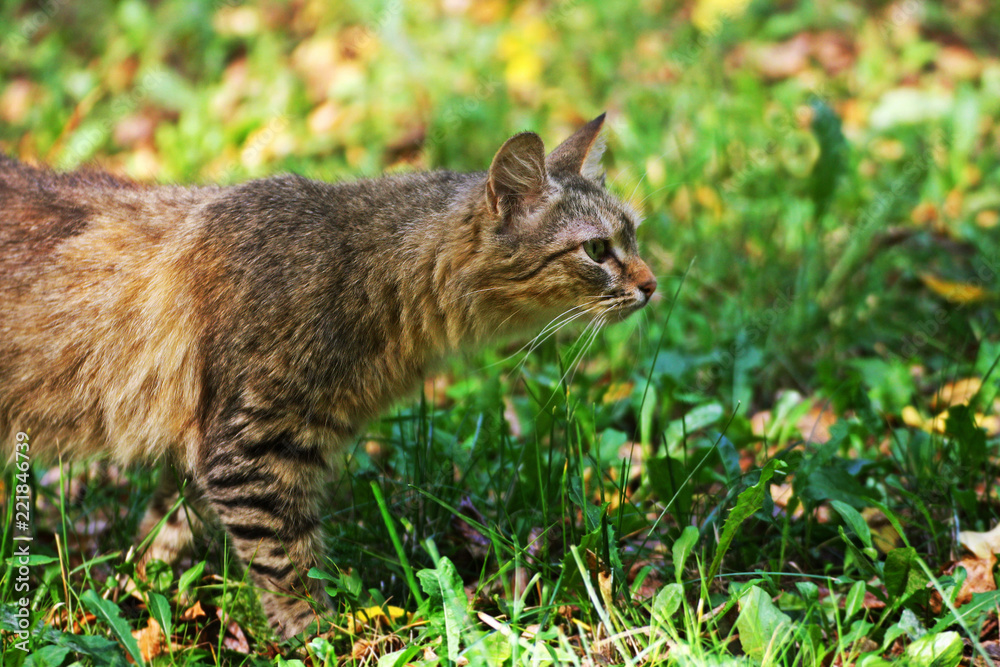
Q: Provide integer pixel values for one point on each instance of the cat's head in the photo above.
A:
(562, 243)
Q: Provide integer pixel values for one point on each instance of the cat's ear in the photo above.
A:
(517, 179)
(581, 153)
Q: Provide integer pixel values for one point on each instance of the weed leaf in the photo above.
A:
(748, 502)
(108, 611)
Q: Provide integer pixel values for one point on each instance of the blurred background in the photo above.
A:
(820, 183)
(825, 172)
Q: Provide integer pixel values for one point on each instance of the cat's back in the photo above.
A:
(98, 320)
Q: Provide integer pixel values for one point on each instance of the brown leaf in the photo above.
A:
(151, 640)
(815, 425)
(785, 59)
(234, 639)
(979, 577)
(194, 612)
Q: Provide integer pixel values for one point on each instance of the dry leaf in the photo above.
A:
(911, 417)
(979, 577)
(234, 639)
(958, 392)
(194, 612)
(151, 640)
(815, 425)
(884, 535)
(960, 293)
(983, 545)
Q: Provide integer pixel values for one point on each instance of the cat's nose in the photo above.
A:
(648, 287)
(644, 278)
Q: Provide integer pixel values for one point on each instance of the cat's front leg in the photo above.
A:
(268, 493)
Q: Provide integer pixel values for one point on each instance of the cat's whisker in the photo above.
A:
(578, 358)
(552, 327)
(555, 326)
(538, 340)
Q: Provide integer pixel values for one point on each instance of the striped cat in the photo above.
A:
(244, 334)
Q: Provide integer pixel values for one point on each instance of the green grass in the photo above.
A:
(612, 508)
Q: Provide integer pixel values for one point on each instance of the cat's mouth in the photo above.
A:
(620, 306)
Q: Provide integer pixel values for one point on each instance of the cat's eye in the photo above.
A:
(597, 249)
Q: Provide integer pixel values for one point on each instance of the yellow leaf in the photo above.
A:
(911, 417)
(376, 616)
(983, 545)
(709, 14)
(520, 48)
(960, 293)
(618, 391)
(958, 392)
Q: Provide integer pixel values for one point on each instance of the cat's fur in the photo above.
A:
(245, 333)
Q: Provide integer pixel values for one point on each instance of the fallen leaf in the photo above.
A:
(912, 417)
(234, 639)
(194, 612)
(884, 535)
(958, 392)
(784, 59)
(815, 425)
(983, 545)
(988, 219)
(955, 292)
(151, 640)
(978, 579)
(708, 15)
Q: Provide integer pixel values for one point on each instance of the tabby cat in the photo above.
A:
(244, 334)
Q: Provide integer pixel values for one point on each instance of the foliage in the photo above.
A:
(768, 466)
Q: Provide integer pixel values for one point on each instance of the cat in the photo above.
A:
(245, 333)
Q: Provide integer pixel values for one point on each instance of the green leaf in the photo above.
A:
(854, 519)
(159, 609)
(896, 572)
(34, 559)
(832, 156)
(935, 650)
(669, 478)
(682, 550)
(48, 656)
(108, 612)
(760, 623)
(971, 439)
(860, 558)
(748, 502)
(855, 600)
(695, 420)
(103, 651)
(668, 601)
(970, 613)
(399, 658)
(443, 586)
(190, 576)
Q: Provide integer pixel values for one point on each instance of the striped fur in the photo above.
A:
(246, 333)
